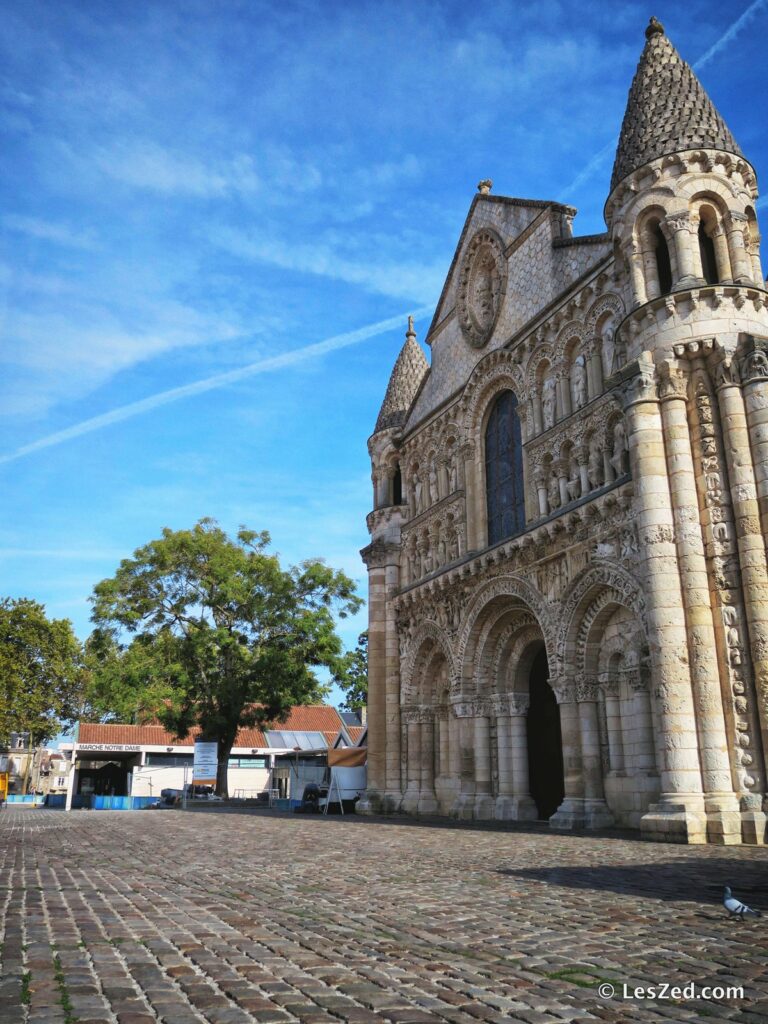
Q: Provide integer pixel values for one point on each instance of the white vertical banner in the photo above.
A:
(205, 763)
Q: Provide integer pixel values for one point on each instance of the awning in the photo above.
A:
(347, 757)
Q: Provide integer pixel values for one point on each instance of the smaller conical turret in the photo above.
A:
(668, 110)
(405, 381)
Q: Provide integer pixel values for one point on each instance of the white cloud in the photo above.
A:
(145, 405)
(49, 231)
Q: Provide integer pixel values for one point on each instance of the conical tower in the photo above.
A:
(681, 214)
(383, 558)
(681, 211)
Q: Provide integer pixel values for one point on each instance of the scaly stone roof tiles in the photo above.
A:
(668, 110)
(406, 378)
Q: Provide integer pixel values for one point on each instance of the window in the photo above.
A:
(504, 469)
(397, 487)
(663, 264)
(60, 782)
(708, 258)
(247, 762)
(169, 760)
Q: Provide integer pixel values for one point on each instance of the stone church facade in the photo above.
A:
(568, 584)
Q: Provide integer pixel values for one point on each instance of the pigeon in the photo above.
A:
(735, 907)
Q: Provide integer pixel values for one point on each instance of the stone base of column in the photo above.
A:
(515, 808)
(675, 821)
(427, 803)
(464, 807)
(371, 802)
(597, 814)
(753, 827)
(723, 819)
(410, 801)
(570, 814)
(485, 807)
(392, 801)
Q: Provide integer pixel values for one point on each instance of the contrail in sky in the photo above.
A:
(219, 380)
(599, 159)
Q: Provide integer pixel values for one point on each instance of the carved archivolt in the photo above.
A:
(502, 587)
(427, 633)
(597, 587)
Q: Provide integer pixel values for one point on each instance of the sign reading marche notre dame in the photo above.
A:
(205, 763)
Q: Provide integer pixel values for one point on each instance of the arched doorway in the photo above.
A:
(545, 749)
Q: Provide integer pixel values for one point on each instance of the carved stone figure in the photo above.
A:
(549, 402)
(579, 383)
(595, 464)
(417, 494)
(620, 456)
(434, 495)
(452, 476)
(608, 339)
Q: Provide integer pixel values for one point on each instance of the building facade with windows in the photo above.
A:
(142, 760)
(568, 585)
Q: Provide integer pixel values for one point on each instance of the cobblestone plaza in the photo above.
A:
(230, 918)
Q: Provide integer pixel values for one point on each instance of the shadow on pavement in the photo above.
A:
(701, 880)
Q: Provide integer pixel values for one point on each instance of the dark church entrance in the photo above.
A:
(545, 749)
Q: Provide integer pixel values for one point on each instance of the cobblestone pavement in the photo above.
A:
(174, 917)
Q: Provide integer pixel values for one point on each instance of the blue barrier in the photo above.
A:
(33, 799)
(122, 803)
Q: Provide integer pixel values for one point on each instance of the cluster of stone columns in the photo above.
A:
(735, 264)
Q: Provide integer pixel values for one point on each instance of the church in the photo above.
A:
(568, 584)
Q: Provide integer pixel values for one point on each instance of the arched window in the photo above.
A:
(397, 486)
(663, 264)
(504, 469)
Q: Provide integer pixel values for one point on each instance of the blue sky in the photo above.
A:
(199, 191)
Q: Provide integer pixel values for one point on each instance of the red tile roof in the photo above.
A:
(307, 718)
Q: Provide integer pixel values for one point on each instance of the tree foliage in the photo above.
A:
(237, 635)
(41, 671)
(128, 683)
(353, 677)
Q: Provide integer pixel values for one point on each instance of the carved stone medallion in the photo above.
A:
(482, 283)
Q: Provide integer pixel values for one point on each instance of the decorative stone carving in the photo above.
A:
(482, 283)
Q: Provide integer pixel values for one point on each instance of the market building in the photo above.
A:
(143, 760)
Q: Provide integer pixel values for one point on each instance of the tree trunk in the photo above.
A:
(225, 748)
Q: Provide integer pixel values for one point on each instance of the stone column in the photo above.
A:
(614, 726)
(523, 806)
(750, 539)
(383, 793)
(735, 224)
(594, 372)
(454, 750)
(513, 802)
(721, 803)
(722, 256)
(596, 812)
(634, 258)
(570, 813)
(503, 809)
(410, 803)
(427, 799)
(754, 376)
(682, 226)
(643, 752)
(541, 490)
(464, 807)
(679, 815)
(484, 802)
(563, 396)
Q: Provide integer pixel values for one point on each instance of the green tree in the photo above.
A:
(41, 671)
(242, 634)
(353, 676)
(128, 683)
